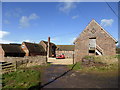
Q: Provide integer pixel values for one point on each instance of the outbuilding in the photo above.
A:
(67, 50)
(94, 40)
(11, 50)
(33, 49)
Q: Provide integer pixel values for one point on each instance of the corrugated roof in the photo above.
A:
(12, 48)
(65, 47)
(34, 48)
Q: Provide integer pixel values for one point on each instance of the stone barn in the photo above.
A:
(52, 47)
(11, 50)
(94, 40)
(67, 50)
(33, 49)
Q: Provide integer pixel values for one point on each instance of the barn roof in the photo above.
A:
(65, 47)
(46, 42)
(102, 29)
(34, 47)
(12, 48)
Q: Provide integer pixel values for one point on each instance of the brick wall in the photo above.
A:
(103, 40)
(1, 53)
(68, 54)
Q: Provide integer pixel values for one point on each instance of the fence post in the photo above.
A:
(73, 57)
(15, 65)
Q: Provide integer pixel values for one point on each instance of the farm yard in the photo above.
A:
(66, 61)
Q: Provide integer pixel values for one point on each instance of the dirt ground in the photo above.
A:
(66, 61)
(59, 76)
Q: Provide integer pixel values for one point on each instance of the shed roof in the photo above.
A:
(12, 48)
(34, 48)
(65, 47)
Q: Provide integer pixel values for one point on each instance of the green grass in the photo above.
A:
(23, 77)
(118, 56)
(109, 60)
(78, 66)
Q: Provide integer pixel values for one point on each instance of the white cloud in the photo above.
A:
(16, 12)
(73, 40)
(106, 22)
(33, 16)
(25, 20)
(74, 17)
(53, 39)
(3, 33)
(66, 7)
(27, 40)
(5, 41)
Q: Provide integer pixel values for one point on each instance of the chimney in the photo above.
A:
(48, 49)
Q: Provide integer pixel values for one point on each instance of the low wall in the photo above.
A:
(26, 61)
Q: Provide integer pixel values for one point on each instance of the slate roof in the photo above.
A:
(65, 47)
(12, 48)
(34, 48)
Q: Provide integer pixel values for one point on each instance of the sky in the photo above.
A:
(62, 21)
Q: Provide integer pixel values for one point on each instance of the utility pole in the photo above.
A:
(48, 48)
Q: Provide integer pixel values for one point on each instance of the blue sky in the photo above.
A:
(62, 21)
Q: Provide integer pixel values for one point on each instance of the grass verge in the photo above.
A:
(23, 77)
(111, 64)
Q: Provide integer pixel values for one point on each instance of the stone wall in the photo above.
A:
(26, 61)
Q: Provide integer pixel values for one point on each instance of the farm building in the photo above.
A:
(94, 40)
(32, 49)
(52, 47)
(67, 50)
(11, 50)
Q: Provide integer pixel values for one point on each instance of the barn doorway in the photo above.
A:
(92, 46)
(94, 49)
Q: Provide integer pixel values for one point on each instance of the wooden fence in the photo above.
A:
(7, 67)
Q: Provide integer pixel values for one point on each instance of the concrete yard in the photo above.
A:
(66, 61)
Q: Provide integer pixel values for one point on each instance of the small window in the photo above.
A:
(23, 46)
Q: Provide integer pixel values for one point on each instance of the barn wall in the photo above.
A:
(103, 40)
(45, 47)
(68, 54)
(25, 49)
